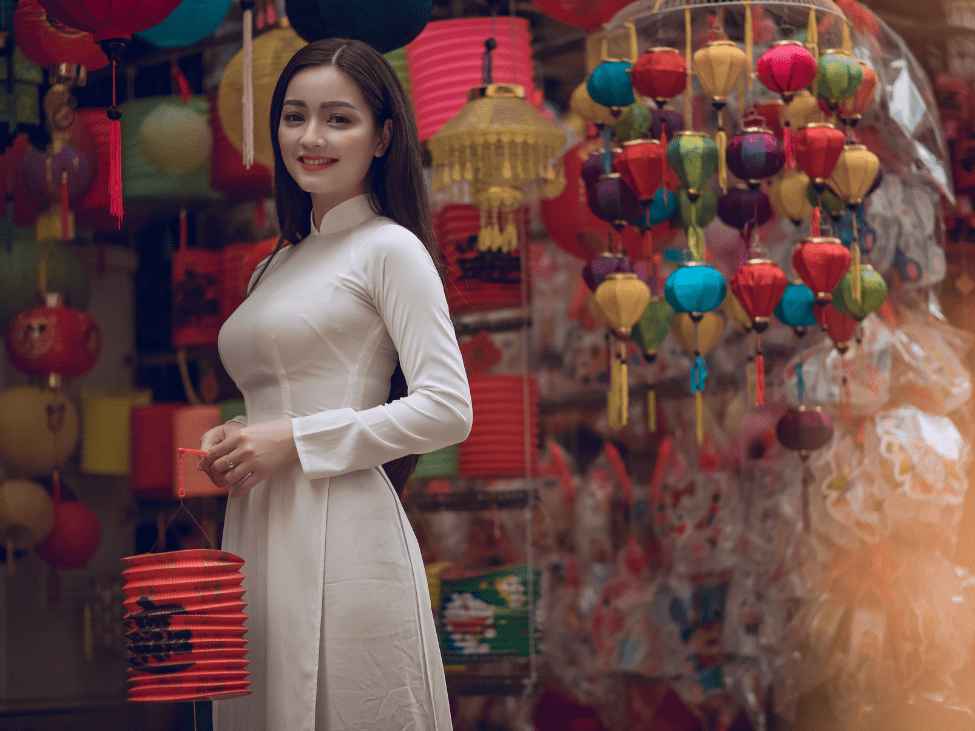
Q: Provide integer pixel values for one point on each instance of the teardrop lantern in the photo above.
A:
(818, 146)
(821, 263)
(613, 201)
(642, 164)
(661, 74)
(693, 156)
(787, 68)
(759, 284)
(851, 110)
(697, 338)
(634, 123)
(873, 292)
(853, 174)
(840, 326)
(719, 66)
(609, 85)
(804, 430)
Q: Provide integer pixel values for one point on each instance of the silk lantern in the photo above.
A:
(803, 110)
(804, 430)
(661, 74)
(660, 208)
(840, 326)
(744, 209)
(786, 68)
(754, 155)
(872, 294)
(383, 24)
(787, 194)
(733, 310)
(696, 288)
(176, 138)
(634, 124)
(665, 123)
(622, 298)
(272, 50)
(840, 76)
(821, 263)
(795, 308)
(697, 338)
(38, 430)
(595, 165)
(827, 201)
(54, 340)
(582, 104)
(609, 85)
(649, 333)
(76, 535)
(583, 14)
(759, 284)
(600, 266)
(612, 200)
(719, 66)
(190, 22)
(642, 163)
(48, 42)
(693, 156)
(817, 148)
(851, 109)
(26, 516)
(853, 175)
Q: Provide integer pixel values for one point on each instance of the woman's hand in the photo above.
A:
(241, 457)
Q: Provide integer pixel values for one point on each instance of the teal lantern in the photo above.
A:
(839, 78)
(609, 84)
(873, 293)
(795, 309)
(191, 21)
(662, 206)
(699, 213)
(634, 124)
(693, 157)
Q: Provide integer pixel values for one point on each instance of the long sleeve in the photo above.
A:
(398, 275)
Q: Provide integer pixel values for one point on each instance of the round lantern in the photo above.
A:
(116, 20)
(818, 146)
(787, 195)
(609, 84)
(872, 293)
(623, 298)
(43, 177)
(742, 208)
(272, 50)
(191, 21)
(754, 155)
(693, 156)
(652, 327)
(20, 269)
(852, 109)
(613, 201)
(661, 207)
(582, 104)
(840, 326)
(444, 62)
(48, 42)
(696, 287)
(75, 537)
(661, 74)
(642, 164)
(804, 430)
(54, 339)
(795, 308)
(854, 174)
(383, 24)
(26, 515)
(821, 263)
(38, 430)
(718, 67)
(567, 217)
(581, 13)
(786, 67)
(634, 124)
(840, 76)
(176, 138)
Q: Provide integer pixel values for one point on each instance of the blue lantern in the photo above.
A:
(609, 84)
(795, 309)
(191, 21)
(662, 206)
(695, 288)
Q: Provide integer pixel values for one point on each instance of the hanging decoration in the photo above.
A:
(176, 138)
(39, 430)
(745, 209)
(693, 156)
(840, 76)
(649, 334)
(821, 263)
(384, 24)
(582, 104)
(641, 165)
(661, 207)
(719, 66)
(583, 14)
(759, 285)
(697, 335)
(665, 123)
(817, 148)
(840, 326)
(660, 74)
(851, 110)
(634, 124)
(54, 340)
(48, 42)
(787, 68)
(755, 155)
(873, 292)
(788, 196)
(189, 23)
(804, 430)
(796, 308)
(76, 535)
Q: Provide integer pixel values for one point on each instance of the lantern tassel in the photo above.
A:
(857, 283)
(721, 140)
(790, 157)
(815, 222)
(652, 409)
(749, 48)
(759, 373)
(613, 395)
(65, 214)
(115, 156)
(624, 391)
(689, 62)
(846, 408)
(750, 381)
(184, 86)
(699, 416)
(247, 97)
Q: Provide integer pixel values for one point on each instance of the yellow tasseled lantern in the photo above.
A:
(855, 171)
(498, 144)
(719, 66)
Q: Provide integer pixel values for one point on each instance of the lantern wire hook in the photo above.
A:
(182, 493)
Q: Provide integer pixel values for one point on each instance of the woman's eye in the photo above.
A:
(340, 118)
(292, 117)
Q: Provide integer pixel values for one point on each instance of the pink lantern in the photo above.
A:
(445, 61)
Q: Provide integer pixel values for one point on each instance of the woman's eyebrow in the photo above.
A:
(323, 105)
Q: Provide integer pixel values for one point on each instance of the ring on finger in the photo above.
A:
(230, 465)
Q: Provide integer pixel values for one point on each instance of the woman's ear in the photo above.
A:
(384, 138)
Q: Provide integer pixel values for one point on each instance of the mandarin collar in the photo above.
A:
(345, 215)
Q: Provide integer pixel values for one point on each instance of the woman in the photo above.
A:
(341, 633)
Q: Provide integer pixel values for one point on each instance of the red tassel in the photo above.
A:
(790, 157)
(648, 244)
(814, 221)
(663, 133)
(182, 229)
(260, 215)
(65, 220)
(184, 86)
(759, 374)
(115, 156)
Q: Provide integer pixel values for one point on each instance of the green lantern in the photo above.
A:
(693, 157)
(699, 213)
(828, 201)
(634, 124)
(840, 76)
(873, 293)
(649, 334)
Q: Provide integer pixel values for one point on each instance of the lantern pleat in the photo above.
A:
(840, 76)
(496, 445)
(754, 155)
(609, 84)
(821, 263)
(110, 19)
(623, 298)
(642, 164)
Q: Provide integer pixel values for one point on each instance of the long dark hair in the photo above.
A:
(405, 201)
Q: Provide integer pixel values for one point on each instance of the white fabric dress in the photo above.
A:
(341, 633)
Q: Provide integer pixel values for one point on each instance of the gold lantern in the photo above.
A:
(498, 144)
(854, 173)
(621, 298)
(582, 104)
(719, 66)
(788, 196)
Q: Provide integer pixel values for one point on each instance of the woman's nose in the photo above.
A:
(312, 135)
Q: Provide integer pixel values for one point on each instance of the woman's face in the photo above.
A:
(328, 136)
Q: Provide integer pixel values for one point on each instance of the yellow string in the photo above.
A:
(847, 45)
(689, 61)
(624, 396)
(721, 140)
(699, 414)
(652, 409)
(749, 48)
(812, 43)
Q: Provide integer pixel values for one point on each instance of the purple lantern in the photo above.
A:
(613, 201)
(665, 122)
(43, 177)
(804, 430)
(596, 270)
(744, 208)
(754, 155)
(594, 166)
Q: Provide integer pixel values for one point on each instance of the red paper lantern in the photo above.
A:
(786, 68)
(496, 445)
(54, 339)
(642, 164)
(840, 327)
(196, 297)
(660, 73)
(852, 109)
(95, 210)
(817, 148)
(821, 262)
(48, 42)
(110, 19)
(567, 218)
(581, 13)
(758, 285)
(76, 535)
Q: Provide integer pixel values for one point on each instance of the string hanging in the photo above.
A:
(247, 95)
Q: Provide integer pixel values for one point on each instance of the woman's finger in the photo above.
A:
(246, 485)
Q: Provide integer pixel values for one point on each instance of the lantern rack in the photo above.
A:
(473, 500)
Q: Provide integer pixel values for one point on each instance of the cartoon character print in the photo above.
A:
(701, 619)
